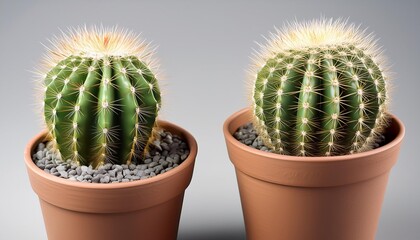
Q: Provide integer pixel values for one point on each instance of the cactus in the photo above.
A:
(101, 97)
(320, 89)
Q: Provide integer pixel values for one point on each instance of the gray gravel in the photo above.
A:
(164, 155)
(248, 135)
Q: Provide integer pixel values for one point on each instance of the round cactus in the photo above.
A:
(101, 97)
(320, 89)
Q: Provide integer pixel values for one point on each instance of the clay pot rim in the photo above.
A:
(318, 159)
(190, 140)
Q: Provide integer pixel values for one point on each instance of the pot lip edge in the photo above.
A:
(189, 161)
(319, 159)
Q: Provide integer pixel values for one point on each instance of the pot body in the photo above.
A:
(311, 198)
(144, 209)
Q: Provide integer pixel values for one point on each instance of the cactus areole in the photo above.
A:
(101, 96)
(320, 89)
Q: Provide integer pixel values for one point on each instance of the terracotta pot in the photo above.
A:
(145, 209)
(311, 198)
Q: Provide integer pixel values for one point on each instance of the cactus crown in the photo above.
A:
(101, 96)
(319, 89)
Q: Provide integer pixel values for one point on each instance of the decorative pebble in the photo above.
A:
(170, 147)
(148, 160)
(39, 154)
(105, 179)
(63, 174)
(131, 166)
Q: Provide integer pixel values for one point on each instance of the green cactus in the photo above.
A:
(101, 99)
(321, 91)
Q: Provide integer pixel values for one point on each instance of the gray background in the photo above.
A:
(204, 48)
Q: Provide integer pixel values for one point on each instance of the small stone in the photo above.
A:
(120, 176)
(72, 178)
(41, 147)
(156, 158)
(72, 172)
(157, 145)
(105, 179)
(57, 174)
(128, 177)
(99, 175)
(101, 170)
(169, 168)
(132, 167)
(108, 166)
(61, 168)
(96, 179)
(152, 164)
(79, 178)
(147, 161)
(64, 174)
(53, 170)
(112, 173)
(41, 161)
(139, 173)
(125, 180)
(39, 154)
(118, 168)
(152, 174)
(144, 177)
(126, 172)
(84, 168)
(79, 170)
(163, 163)
(143, 167)
(135, 178)
(40, 165)
(158, 168)
(49, 166)
(165, 146)
(87, 177)
(148, 171)
(184, 156)
(168, 139)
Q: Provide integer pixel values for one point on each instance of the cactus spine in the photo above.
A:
(101, 98)
(320, 90)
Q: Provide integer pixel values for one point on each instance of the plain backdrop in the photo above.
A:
(204, 50)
